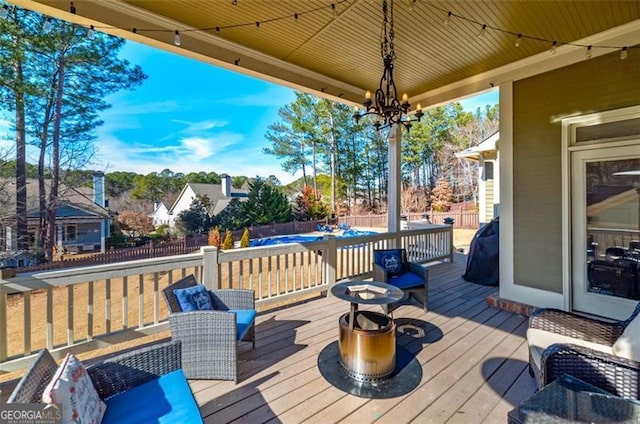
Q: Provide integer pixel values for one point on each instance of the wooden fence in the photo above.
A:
(462, 219)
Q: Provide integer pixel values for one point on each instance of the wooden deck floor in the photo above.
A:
(473, 360)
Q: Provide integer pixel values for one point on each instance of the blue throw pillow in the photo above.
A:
(194, 298)
(390, 260)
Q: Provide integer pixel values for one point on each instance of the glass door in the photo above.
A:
(605, 193)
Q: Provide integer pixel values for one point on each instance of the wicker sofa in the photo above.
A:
(585, 349)
(145, 385)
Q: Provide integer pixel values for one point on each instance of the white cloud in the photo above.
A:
(192, 154)
(205, 125)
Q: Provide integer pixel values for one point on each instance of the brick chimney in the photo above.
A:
(226, 185)
(98, 189)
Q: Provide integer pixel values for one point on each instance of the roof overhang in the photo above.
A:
(338, 57)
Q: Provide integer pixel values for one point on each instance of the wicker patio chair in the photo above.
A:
(412, 278)
(595, 338)
(616, 375)
(210, 338)
(115, 375)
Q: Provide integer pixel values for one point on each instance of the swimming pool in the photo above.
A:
(299, 238)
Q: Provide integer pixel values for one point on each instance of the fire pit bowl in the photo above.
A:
(368, 351)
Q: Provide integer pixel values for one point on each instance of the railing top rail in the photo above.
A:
(63, 277)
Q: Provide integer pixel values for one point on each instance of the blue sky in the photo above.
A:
(190, 116)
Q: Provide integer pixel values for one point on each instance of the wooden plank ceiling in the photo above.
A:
(339, 53)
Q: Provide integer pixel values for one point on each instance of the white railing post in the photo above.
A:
(331, 261)
(210, 267)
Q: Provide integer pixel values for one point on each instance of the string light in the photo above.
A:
(482, 31)
(588, 53)
(624, 53)
(447, 20)
(519, 36)
(176, 38)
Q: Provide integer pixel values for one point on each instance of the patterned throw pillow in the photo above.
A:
(194, 298)
(72, 388)
(390, 260)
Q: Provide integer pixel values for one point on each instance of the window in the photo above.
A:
(70, 233)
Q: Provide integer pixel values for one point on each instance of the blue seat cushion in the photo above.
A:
(406, 280)
(194, 298)
(167, 399)
(244, 319)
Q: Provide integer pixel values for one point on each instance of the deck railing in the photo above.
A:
(88, 307)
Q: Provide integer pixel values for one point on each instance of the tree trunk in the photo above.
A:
(21, 161)
(42, 193)
(55, 163)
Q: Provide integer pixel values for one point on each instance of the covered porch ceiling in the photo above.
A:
(332, 48)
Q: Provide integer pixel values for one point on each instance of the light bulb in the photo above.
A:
(447, 20)
(624, 53)
(554, 45)
(518, 39)
(176, 38)
(482, 30)
(367, 95)
(405, 97)
(588, 53)
(418, 106)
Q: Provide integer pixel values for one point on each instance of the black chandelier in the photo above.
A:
(385, 104)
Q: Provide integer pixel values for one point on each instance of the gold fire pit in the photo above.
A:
(368, 347)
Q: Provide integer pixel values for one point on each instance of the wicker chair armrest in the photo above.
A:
(379, 274)
(35, 380)
(575, 326)
(128, 370)
(419, 269)
(616, 375)
(233, 299)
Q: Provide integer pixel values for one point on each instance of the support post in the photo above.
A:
(395, 179)
(331, 260)
(210, 267)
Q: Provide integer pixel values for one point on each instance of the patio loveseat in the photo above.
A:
(145, 385)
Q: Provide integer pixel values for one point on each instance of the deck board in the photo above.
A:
(473, 359)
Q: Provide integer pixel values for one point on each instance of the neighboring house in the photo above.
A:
(486, 154)
(82, 219)
(160, 215)
(219, 196)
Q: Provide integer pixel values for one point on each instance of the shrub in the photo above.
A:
(215, 239)
(244, 241)
(228, 240)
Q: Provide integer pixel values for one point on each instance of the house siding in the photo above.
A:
(539, 104)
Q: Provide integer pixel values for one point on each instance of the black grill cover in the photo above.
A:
(483, 265)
